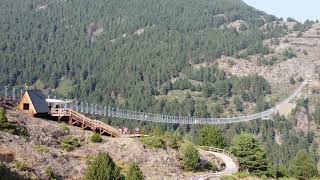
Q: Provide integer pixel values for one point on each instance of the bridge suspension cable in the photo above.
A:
(95, 109)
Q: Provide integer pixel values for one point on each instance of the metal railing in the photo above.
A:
(94, 109)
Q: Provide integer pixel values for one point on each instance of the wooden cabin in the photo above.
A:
(34, 103)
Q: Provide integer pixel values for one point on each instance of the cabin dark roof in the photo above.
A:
(39, 101)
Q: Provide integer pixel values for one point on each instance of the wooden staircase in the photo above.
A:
(85, 122)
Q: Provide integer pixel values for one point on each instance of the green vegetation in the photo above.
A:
(239, 105)
(69, 56)
(153, 142)
(134, 172)
(289, 19)
(289, 54)
(210, 136)
(217, 84)
(267, 62)
(21, 131)
(41, 148)
(96, 138)
(209, 166)
(2, 169)
(281, 156)
(63, 127)
(251, 154)
(239, 175)
(49, 173)
(64, 88)
(70, 143)
(102, 167)
(302, 27)
(4, 123)
(316, 115)
(273, 146)
(300, 79)
(20, 165)
(6, 174)
(13, 129)
(275, 41)
(158, 139)
(172, 140)
(97, 57)
(189, 155)
(216, 91)
(303, 166)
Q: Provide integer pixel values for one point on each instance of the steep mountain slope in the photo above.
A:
(201, 58)
(111, 50)
(43, 149)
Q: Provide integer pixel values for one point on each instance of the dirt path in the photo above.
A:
(231, 167)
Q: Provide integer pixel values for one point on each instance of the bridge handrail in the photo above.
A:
(149, 117)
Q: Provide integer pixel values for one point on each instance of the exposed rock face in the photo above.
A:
(279, 139)
(302, 121)
(306, 64)
(239, 25)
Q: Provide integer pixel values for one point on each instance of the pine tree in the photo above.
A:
(96, 138)
(262, 105)
(237, 102)
(316, 115)
(250, 153)
(189, 154)
(201, 109)
(4, 123)
(134, 172)
(303, 166)
(103, 168)
(210, 136)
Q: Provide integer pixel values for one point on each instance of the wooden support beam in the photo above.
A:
(70, 120)
(85, 122)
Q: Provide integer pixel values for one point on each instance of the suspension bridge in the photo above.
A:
(97, 110)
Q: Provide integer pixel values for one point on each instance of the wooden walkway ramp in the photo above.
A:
(76, 118)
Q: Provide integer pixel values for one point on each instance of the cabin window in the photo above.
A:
(25, 106)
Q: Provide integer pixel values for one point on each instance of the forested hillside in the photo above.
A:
(150, 56)
(123, 52)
